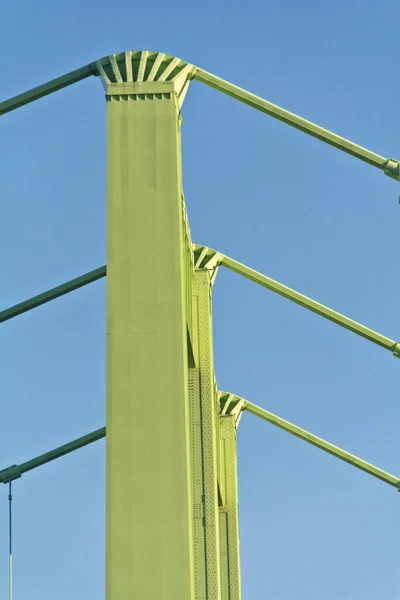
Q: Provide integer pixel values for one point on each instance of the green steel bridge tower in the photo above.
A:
(172, 527)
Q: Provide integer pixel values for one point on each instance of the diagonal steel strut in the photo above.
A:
(235, 266)
(47, 88)
(321, 444)
(312, 305)
(391, 167)
(52, 294)
(15, 471)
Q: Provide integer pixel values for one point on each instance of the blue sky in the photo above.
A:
(269, 196)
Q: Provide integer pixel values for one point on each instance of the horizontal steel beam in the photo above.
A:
(15, 471)
(391, 167)
(55, 292)
(47, 88)
(321, 444)
(312, 305)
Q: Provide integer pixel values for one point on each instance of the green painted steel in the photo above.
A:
(389, 166)
(172, 528)
(202, 321)
(312, 305)
(197, 487)
(228, 472)
(149, 548)
(47, 88)
(322, 444)
(231, 264)
(229, 511)
(150, 66)
(52, 294)
(16, 471)
(223, 532)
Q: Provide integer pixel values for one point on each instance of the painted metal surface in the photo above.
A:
(202, 320)
(117, 68)
(322, 444)
(197, 487)
(148, 491)
(47, 88)
(172, 493)
(229, 510)
(233, 405)
(312, 305)
(16, 471)
(145, 73)
(219, 259)
(211, 259)
(389, 166)
(52, 294)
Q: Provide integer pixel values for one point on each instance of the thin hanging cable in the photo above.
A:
(10, 536)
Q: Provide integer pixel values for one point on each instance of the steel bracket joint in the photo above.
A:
(396, 350)
(392, 169)
(10, 474)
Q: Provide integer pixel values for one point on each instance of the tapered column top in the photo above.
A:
(144, 72)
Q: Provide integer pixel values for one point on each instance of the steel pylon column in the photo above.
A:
(229, 510)
(215, 467)
(231, 408)
(149, 542)
(204, 399)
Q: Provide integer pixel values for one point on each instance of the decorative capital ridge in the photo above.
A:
(143, 70)
(207, 258)
(231, 405)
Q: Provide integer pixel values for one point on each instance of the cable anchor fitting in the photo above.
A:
(396, 350)
(392, 169)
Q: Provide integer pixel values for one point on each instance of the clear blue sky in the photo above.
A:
(291, 207)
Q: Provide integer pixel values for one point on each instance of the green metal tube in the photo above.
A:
(47, 88)
(322, 444)
(15, 471)
(56, 292)
(390, 167)
(312, 305)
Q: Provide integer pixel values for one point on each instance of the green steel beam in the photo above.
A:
(229, 511)
(47, 88)
(322, 444)
(149, 547)
(55, 292)
(15, 471)
(312, 305)
(209, 429)
(233, 265)
(197, 483)
(391, 167)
